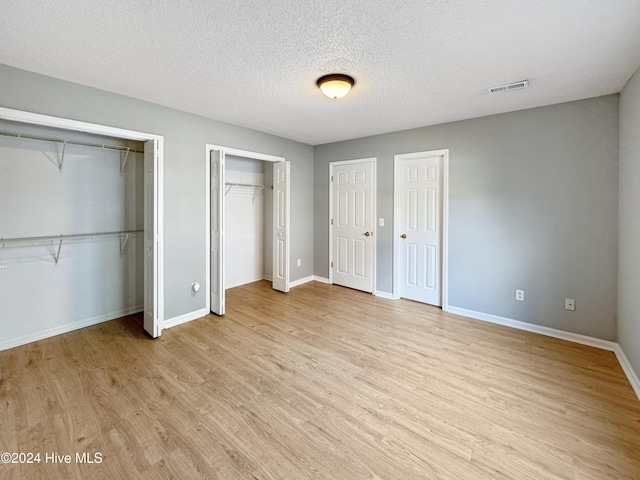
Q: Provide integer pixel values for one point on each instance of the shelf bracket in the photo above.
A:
(123, 243)
(57, 256)
(64, 147)
(123, 163)
(256, 190)
(228, 188)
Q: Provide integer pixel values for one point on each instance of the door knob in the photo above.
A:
(404, 235)
(367, 234)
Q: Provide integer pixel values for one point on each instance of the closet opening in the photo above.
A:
(79, 226)
(248, 221)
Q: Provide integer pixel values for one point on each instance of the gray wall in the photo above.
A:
(629, 270)
(533, 205)
(184, 185)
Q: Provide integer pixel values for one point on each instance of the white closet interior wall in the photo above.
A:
(248, 221)
(92, 280)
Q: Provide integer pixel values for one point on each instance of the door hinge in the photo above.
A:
(332, 221)
(331, 264)
(332, 178)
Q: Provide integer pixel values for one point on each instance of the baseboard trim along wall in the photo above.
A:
(561, 334)
(320, 279)
(69, 327)
(628, 369)
(301, 281)
(245, 282)
(387, 295)
(530, 327)
(187, 317)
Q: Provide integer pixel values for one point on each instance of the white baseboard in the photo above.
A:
(187, 317)
(628, 369)
(268, 278)
(301, 281)
(561, 334)
(245, 282)
(69, 327)
(530, 327)
(320, 279)
(381, 294)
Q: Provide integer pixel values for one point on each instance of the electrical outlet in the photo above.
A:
(381, 222)
(520, 295)
(569, 304)
(299, 262)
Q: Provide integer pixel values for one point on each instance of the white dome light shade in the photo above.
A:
(335, 85)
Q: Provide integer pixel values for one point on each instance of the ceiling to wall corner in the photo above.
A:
(255, 63)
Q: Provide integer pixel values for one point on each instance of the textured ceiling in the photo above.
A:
(254, 63)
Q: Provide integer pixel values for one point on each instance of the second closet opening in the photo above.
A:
(248, 220)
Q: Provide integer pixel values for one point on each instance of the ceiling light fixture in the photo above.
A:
(335, 85)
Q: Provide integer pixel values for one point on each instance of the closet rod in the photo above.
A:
(53, 239)
(66, 142)
(248, 185)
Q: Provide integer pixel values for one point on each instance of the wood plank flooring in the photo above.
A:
(321, 383)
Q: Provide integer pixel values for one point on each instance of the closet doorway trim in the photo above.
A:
(238, 153)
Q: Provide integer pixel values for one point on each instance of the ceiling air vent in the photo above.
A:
(511, 86)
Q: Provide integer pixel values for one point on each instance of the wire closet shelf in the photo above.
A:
(60, 239)
(258, 188)
(122, 150)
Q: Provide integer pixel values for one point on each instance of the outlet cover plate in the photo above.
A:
(569, 304)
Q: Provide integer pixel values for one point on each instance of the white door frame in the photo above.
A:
(78, 126)
(374, 223)
(397, 198)
(238, 153)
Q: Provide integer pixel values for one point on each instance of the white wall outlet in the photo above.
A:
(381, 222)
(520, 295)
(569, 304)
(299, 262)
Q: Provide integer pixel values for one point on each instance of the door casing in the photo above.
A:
(397, 198)
(238, 153)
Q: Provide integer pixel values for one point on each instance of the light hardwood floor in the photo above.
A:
(323, 382)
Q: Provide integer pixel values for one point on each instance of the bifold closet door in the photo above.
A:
(217, 232)
(151, 320)
(281, 226)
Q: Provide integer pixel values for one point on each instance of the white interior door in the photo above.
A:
(217, 232)
(419, 227)
(151, 320)
(352, 215)
(281, 226)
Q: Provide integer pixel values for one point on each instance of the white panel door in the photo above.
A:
(281, 226)
(352, 224)
(151, 320)
(217, 232)
(420, 228)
